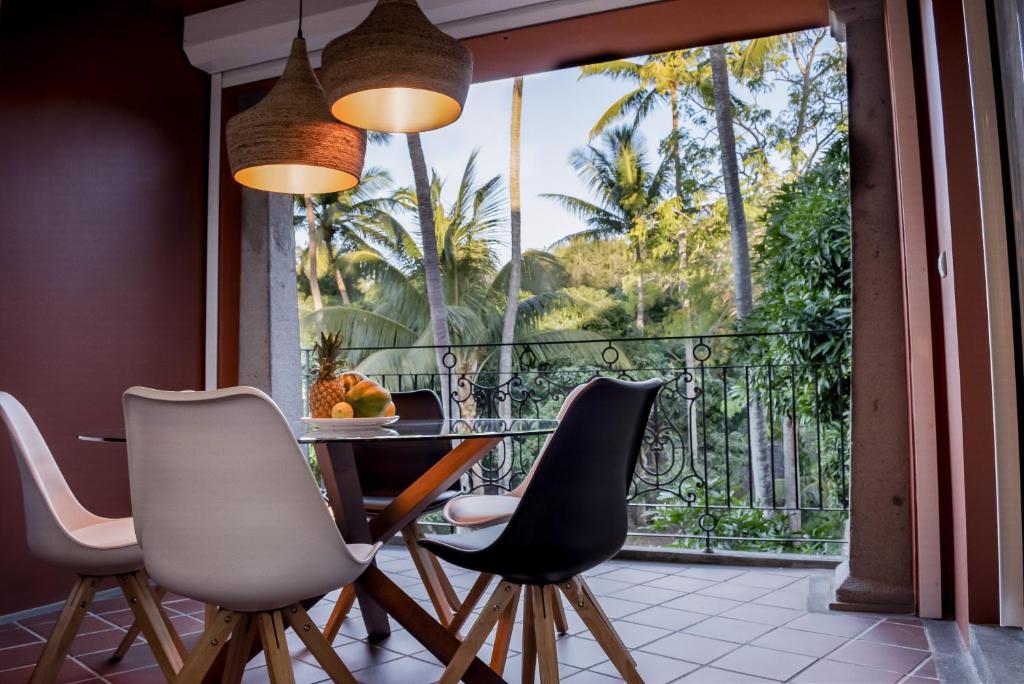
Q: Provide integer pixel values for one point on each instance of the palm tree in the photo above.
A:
(627, 191)
(340, 219)
(431, 263)
(311, 254)
(396, 312)
(508, 328)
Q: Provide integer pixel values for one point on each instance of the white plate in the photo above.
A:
(349, 423)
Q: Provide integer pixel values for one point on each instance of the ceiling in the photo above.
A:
(249, 41)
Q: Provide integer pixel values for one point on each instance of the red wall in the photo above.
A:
(102, 193)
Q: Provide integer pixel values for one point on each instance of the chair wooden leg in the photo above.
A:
(459, 663)
(472, 598)
(163, 641)
(529, 637)
(446, 584)
(558, 612)
(502, 638)
(68, 622)
(239, 647)
(544, 631)
(428, 573)
(202, 657)
(275, 648)
(314, 640)
(346, 600)
(135, 629)
(587, 607)
(209, 615)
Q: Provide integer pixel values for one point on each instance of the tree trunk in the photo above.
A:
(763, 477)
(431, 267)
(508, 328)
(311, 254)
(515, 273)
(341, 287)
(790, 453)
(731, 179)
(641, 313)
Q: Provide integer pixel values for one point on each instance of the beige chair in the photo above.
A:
(475, 511)
(227, 513)
(63, 533)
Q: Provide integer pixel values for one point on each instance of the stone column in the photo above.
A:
(268, 344)
(880, 567)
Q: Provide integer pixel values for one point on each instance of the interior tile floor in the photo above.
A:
(683, 623)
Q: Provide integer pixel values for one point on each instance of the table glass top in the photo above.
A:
(403, 430)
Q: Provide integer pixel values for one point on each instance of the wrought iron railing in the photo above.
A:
(747, 446)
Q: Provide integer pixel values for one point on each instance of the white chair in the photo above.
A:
(63, 533)
(227, 513)
(475, 511)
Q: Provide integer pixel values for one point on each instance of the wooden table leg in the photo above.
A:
(341, 478)
(422, 625)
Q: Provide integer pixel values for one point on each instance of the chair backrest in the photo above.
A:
(224, 500)
(387, 469)
(573, 515)
(51, 508)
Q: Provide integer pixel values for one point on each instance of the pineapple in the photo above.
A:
(328, 389)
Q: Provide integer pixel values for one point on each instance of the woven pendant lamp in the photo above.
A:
(289, 142)
(397, 72)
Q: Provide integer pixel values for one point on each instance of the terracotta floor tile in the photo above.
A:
(690, 647)
(666, 618)
(698, 603)
(768, 615)
(19, 656)
(645, 593)
(927, 669)
(358, 655)
(70, 672)
(735, 592)
(14, 635)
(401, 671)
(147, 675)
(715, 573)
(804, 643)
(882, 656)
(605, 587)
(897, 635)
(727, 629)
(632, 634)
(836, 624)
(765, 580)
(832, 672)
(796, 600)
(653, 668)
(579, 652)
(680, 583)
(632, 576)
(43, 625)
(514, 666)
(592, 677)
(762, 662)
(712, 675)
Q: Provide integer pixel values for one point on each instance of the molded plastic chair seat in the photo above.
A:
(481, 510)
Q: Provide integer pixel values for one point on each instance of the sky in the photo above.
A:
(558, 113)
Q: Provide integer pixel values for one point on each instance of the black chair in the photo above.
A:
(385, 470)
(571, 518)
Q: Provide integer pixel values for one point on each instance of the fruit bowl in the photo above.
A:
(349, 423)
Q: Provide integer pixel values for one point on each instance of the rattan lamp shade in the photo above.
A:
(396, 72)
(289, 142)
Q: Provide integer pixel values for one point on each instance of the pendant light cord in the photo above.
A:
(300, 18)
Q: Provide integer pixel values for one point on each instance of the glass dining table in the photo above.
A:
(378, 596)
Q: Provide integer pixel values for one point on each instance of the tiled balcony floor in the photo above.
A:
(684, 623)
